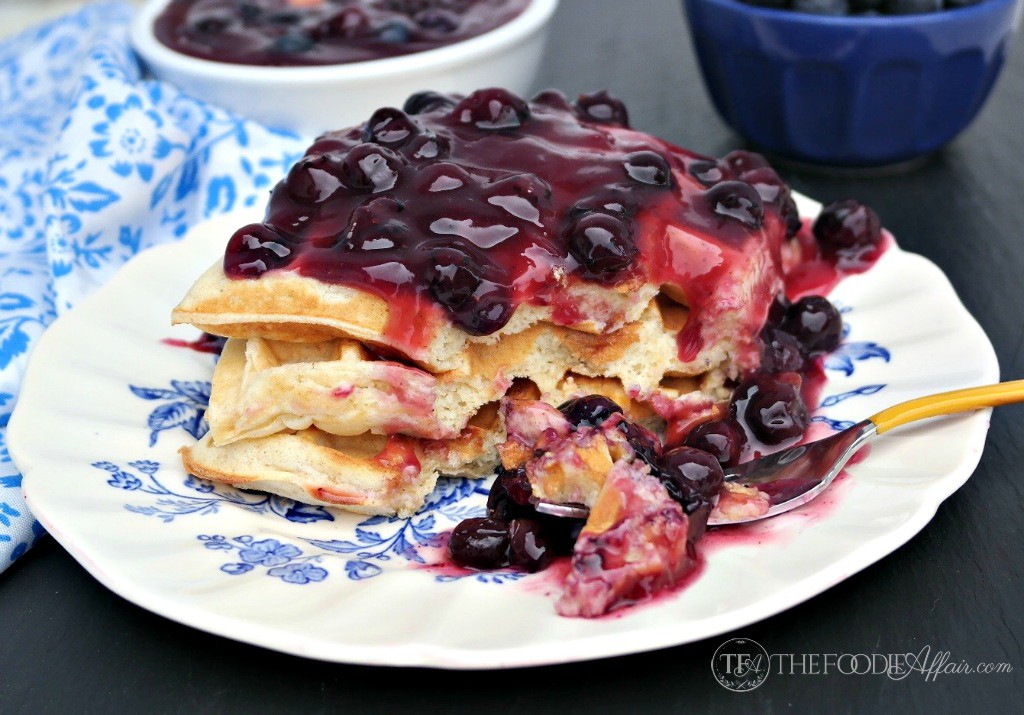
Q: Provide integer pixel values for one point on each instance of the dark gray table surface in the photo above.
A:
(68, 644)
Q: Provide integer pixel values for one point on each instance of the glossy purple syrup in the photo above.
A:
(468, 207)
(323, 32)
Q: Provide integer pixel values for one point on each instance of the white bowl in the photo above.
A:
(310, 100)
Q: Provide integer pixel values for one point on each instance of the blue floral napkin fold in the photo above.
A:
(98, 162)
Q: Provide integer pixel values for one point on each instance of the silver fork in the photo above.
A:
(792, 477)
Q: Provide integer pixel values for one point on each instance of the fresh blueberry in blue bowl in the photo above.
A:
(884, 82)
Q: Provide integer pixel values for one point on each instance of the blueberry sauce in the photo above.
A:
(820, 262)
(550, 583)
(768, 410)
(323, 32)
(667, 513)
(467, 207)
(399, 454)
(205, 343)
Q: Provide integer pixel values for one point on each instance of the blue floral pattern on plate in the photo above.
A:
(202, 497)
(97, 163)
(185, 405)
(844, 359)
(283, 561)
(375, 541)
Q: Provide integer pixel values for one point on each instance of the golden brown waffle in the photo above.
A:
(262, 387)
(375, 474)
(367, 474)
(287, 306)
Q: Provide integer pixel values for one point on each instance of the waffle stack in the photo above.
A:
(332, 422)
(336, 393)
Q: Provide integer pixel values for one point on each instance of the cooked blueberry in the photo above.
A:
(391, 127)
(791, 215)
(516, 485)
(602, 243)
(437, 20)
(644, 442)
(846, 229)
(330, 143)
(493, 108)
(601, 108)
(250, 11)
(370, 167)
(707, 172)
(528, 549)
(479, 306)
(255, 249)
(612, 203)
(822, 7)
(737, 201)
(815, 323)
(292, 44)
(648, 167)
(529, 187)
(575, 527)
(378, 239)
(699, 468)
(452, 278)
(910, 7)
(552, 98)
(347, 22)
(490, 311)
(428, 146)
(501, 504)
(212, 25)
(480, 543)
(315, 178)
(561, 532)
(426, 101)
(376, 226)
(723, 439)
(771, 408)
(778, 310)
(395, 32)
(741, 161)
(683, 491)
(589, 411)
(521, 196)
(780, 351)
(769, 186)
(284, 17)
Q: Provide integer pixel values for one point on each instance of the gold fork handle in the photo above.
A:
(947, 403)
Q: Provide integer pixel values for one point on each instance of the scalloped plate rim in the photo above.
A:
(243, 628)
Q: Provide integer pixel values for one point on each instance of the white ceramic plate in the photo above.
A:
(105, 406)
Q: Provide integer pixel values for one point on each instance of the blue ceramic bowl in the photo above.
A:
(849, 91)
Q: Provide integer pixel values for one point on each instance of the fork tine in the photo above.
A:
(794, 476)
(790, 477)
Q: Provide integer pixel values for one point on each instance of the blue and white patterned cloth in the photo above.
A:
(96, 164)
